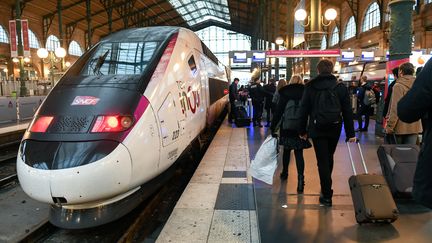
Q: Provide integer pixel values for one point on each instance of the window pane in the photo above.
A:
(350, 29)
(52, 43)
(3, 35)
(372, 17)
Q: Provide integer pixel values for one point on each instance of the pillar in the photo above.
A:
(400, 29)
(23, 76)
(315, 34)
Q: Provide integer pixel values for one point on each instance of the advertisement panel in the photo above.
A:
(25, 37)
(13, 38)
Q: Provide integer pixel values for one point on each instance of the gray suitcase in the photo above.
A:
(372, 199)
(398, 163)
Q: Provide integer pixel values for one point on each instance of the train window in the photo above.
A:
(125, 58)
(192, 65)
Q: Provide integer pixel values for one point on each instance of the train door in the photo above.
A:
(204, 82)
(168, 123)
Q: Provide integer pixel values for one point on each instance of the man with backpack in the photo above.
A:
(326, 103)
(365, 99)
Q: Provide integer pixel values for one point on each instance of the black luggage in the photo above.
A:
(398, 163)
(372, 199)
(241, 117)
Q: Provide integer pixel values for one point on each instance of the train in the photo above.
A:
(120, 116)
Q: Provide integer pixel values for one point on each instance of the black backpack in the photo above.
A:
(291, 115)
(327, 108)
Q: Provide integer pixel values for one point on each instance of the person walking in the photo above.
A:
(326, 103)
(406, 133)
(415, 105)
(256, 92)
(269, 90)
(233, 97)
(364, 104)
(286, 118)
(281, 83)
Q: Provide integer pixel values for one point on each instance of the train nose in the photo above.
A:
(87, 172)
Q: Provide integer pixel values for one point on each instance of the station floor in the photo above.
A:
(223, 203)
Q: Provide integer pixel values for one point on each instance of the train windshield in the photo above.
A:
(120, 58)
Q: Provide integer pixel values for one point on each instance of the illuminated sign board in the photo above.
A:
(258, 57)
(367, 56)
(347, 56)
(240, 57)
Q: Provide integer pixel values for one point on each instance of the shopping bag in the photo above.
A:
(265, 162)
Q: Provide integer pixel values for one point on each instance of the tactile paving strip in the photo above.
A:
(230, 226)
(234, 174)
(235, 197)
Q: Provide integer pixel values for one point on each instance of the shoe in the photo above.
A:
(357, 130)
(327, 202)
(260, 125)
(284, 175)
(364, 130)
(300, 184)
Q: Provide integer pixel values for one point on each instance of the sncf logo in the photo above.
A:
(85, 100)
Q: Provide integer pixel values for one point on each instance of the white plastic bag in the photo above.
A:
(265, 162)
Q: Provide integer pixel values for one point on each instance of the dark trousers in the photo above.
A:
(231, 114)
(324, 151)
(299, 160)
(257, 111)
(363, 111)
(269, 111)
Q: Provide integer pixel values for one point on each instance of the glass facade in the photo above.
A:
(34, 42)
(197, 11)
(334, 39)
(372, 17)
(220, 41)
(350, 29)
(75, 49)
(3, 35)
(52, 43)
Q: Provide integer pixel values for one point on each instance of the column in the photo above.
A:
(23, 76)
(400, 29)
(315, 34)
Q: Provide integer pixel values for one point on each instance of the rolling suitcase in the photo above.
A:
(372, 199)
(241, 117)
(398, 163)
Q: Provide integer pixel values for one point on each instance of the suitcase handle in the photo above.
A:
(362, 158)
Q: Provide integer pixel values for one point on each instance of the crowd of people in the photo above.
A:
(319, 109)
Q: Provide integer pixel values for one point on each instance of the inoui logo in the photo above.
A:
(85, 100)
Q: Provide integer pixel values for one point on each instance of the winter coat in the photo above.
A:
(415, 105)
(321, 82)
(256, 92)
(399, 127)
(288, 92)
(233, 94)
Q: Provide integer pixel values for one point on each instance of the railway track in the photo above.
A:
(8, 153)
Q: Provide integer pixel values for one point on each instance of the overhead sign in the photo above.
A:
(347, 56)
(258, 56)
(303, 53)
(240, 57)
(13, 38)
(367, 56)
(25, 37)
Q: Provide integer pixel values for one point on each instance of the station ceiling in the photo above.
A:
(241, 16)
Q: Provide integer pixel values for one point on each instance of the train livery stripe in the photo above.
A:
(216, 89)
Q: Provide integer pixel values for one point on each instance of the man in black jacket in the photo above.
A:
(363, 109)
(325, 139)
(269, 89)
(233, 96)
(415, 105)
(257, 95)
(395, 72)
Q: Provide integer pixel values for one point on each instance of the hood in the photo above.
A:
(292, 91)
(407, 80)
(323, 81)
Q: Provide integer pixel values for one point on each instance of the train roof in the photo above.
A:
(158, 33)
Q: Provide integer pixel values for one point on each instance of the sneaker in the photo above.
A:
(284, 175)
(327, 202)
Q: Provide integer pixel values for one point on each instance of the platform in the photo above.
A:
(13, 127)
(223, 204)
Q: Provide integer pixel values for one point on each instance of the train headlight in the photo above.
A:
(112, 124)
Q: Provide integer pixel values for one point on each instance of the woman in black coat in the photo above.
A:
(289, 138)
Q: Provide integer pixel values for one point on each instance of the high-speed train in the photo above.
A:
(120, 116)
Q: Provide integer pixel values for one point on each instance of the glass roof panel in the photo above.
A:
(196, 11)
